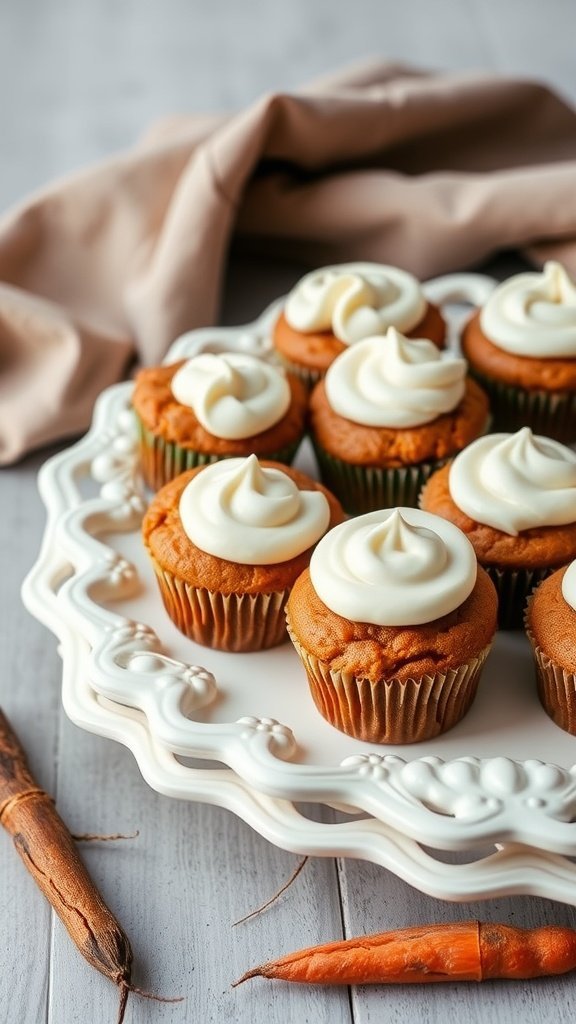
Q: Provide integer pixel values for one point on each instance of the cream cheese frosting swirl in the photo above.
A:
(533, 314)
(233, 395)
(392, 381)
(515, 482)
(355, 300)
(238, 510)
(569, 585)
(394, 567)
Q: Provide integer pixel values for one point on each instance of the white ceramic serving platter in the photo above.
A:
(241, 731)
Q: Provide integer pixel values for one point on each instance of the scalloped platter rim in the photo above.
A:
(143, 684)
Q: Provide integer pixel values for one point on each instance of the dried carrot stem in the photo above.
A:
(467, 951)
(48, 851)
(274, 897)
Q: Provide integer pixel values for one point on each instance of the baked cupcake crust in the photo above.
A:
(172, 550)
(317, 350)
(363, 445)
(541, 547)
(393, 652)
(526, 372)
(164, 416)
(552, 622)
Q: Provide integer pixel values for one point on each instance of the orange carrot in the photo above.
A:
(467, 951)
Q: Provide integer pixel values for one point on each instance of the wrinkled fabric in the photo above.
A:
(430, 172)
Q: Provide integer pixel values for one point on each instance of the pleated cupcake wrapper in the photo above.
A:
(514, 587)
(366, 488)
(163, 460)
(390, 711)
(556, 688)
(228, 622)
(550, 413)
(308, 376)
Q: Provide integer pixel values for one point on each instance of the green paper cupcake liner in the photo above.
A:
(367, 488)
(514, 586)
(556, 688)
(550, 413)
(162, 460)
(308, 376)
(390, 711)
(228, 622)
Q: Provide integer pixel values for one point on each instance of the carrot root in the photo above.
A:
(417, 955)
(470, 951)
(50, 855)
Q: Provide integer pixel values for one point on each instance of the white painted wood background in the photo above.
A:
(78, 80)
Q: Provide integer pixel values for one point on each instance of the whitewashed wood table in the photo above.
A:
(78, 81)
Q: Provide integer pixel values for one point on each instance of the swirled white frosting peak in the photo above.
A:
(394, 567)
(241, 511)
(355, 300)
(533, 314)
(569, 585)
(233, 395)
(515, 482)
(392, 381)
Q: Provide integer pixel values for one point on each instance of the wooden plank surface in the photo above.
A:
(80, 80)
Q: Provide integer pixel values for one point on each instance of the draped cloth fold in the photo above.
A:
(430, 172)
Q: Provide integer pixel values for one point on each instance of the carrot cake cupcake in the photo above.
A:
(522, 348)
(514, 496)
(227, 541)
(393, 622)
(334, 307)
(389, 412)
(212, 407)
(551, 629)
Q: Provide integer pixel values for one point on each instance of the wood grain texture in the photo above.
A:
(397, 905)
(29, 690)
(79, 80)
(179, 887)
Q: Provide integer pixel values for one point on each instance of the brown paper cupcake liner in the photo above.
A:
(162, 460)
(363, 489)
(228, 622)
(550, 413)
(514, 587)
(556, 688)
(390, 711)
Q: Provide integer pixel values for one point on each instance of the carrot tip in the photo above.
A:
(256, 972)
(124, 993)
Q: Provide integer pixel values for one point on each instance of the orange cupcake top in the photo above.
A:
(317, 349)
(391, 447)
(538, 548)
(334, 307)
(532, 373)
(163, 415)
(552, 621)
(172, 549)
(393, 652)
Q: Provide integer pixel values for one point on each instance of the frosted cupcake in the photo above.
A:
(227, 541)
(514, 496)
(212, 407)
(334, 307)
(388, 413)
(551, 629)
(522, 348)
(393, 622)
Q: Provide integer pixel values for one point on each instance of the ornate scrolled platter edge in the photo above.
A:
(448, 804)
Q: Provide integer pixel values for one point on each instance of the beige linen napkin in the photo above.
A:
(432, 172)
